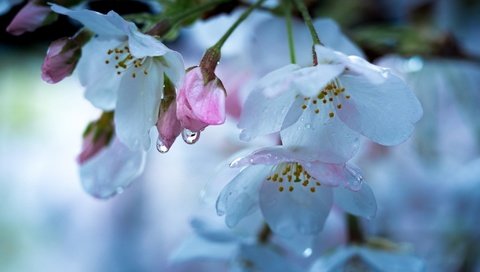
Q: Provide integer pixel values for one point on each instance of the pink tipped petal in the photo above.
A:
(168, 126)
(28, 19)
(272, 156)
(327, 174)
(200, 105)
(60, 63)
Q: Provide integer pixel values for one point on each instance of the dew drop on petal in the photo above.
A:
(161, 147)
(308, 126)
(245, 136)
(307, 252)
(356, 182)
(190, 137)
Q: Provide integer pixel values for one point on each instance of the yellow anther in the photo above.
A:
(331, 114)
(318, 183)
(317, 111)
(107, 62)
(280, 188)
(290, 188)
(312, 189)
(314, 101)
(339, 106)
(347, 97)
(304, 106)
(324, 101)
(305, 183)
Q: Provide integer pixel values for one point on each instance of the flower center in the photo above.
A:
(122, 59)
(329, 98)
(290, 175)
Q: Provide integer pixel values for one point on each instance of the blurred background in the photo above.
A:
(428, 189)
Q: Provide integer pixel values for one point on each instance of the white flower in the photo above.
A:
(123, 69)
(294, 192)
(324, 108)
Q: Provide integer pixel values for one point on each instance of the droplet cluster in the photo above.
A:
(290, 175)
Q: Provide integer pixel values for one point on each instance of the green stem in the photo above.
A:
(288, 21)
(308, 21)
(242, 17)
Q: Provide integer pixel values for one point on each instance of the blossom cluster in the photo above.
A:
(318, 112)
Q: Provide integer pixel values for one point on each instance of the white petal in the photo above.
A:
(99, 79)
(361, 203)
(112, 170)
(174, 67)
(385, 113)
(310, 81)
(263, 115)
(298, 212)
(278, 81)
(317, 134)
(99, 23)
(142, 45)
(375, 74)
(240, 197)
(327, 173)
(138, 104)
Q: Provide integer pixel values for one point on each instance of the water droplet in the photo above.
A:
(413, 64)
(236, 163)
(354, 183)
(190, 137)
(119, 190)
(308, 125)
(161, 147)
(245, 136)
(307, 252)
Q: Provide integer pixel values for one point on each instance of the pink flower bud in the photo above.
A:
(29, 18)
(168, 127)
(200, 104)
(91, 147)
(61, 59)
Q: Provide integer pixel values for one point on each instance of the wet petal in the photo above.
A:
(361, 203)
(100, 79)
(199, 248)
(112, 170)
(300, 211)
(385, 113)
(317, 134)
(138, 103)
(240, 197)
(327, 174)
(391, 261)
(272, 156)
(264, 115)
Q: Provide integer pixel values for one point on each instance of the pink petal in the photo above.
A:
(29, 18)
(168, 126)
(90, 147)
(200, 105)
(60, 63)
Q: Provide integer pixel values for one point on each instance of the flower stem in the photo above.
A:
(308, 21)
(288, 21)
(355, 234)
(242, 17)
(264, 234)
